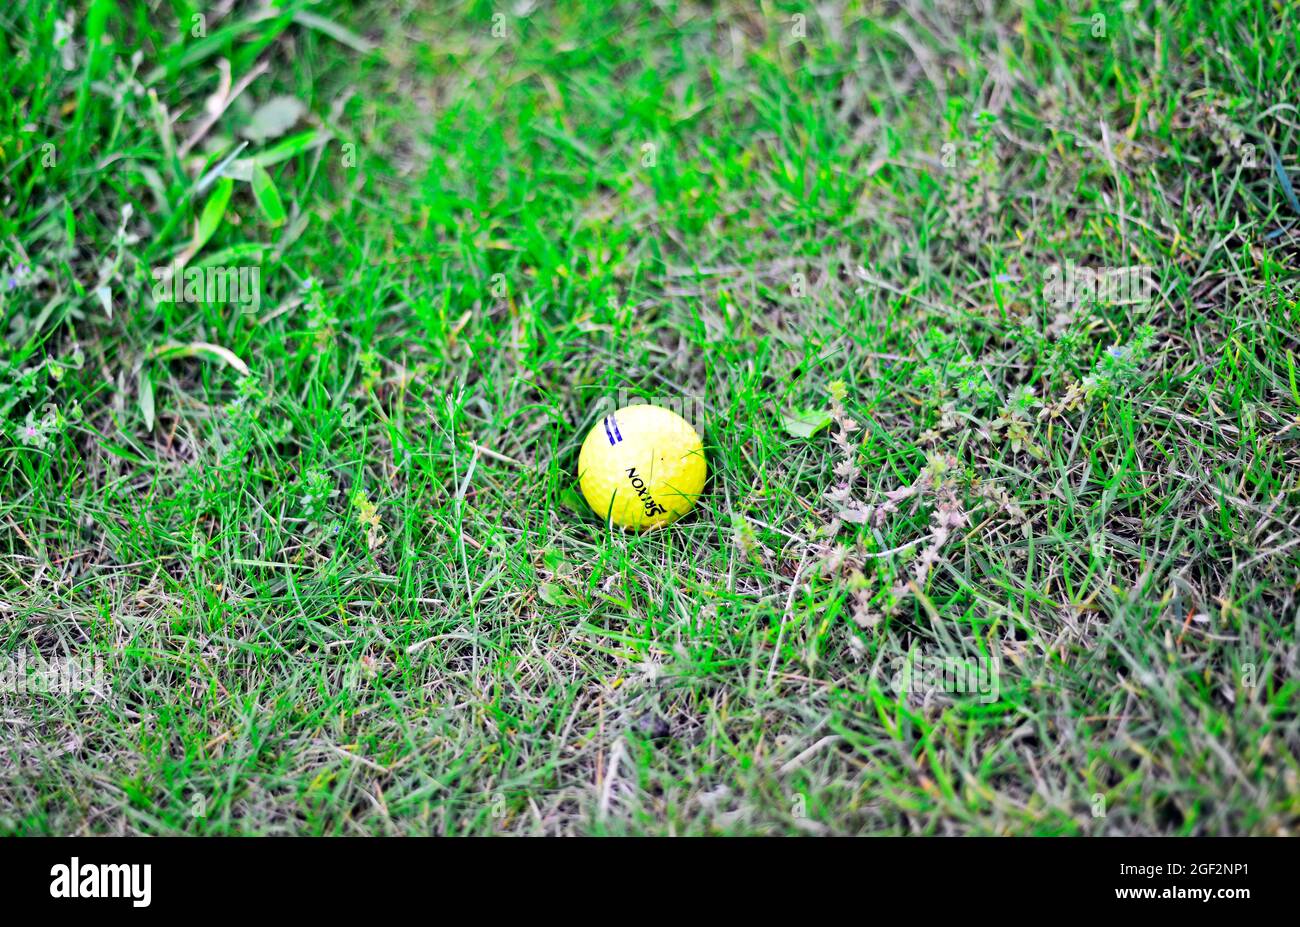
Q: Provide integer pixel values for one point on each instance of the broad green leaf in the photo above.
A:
(553, 559)
(214, 210)
(554, 594)
(804, 423)
(268, 197)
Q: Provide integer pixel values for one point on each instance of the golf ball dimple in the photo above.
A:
(642, 466)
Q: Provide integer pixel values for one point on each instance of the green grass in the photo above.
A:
(351, 591)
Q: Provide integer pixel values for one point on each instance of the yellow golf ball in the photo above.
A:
(642, 467)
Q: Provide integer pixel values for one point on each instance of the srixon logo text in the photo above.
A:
(87, 880)
(651, 506)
